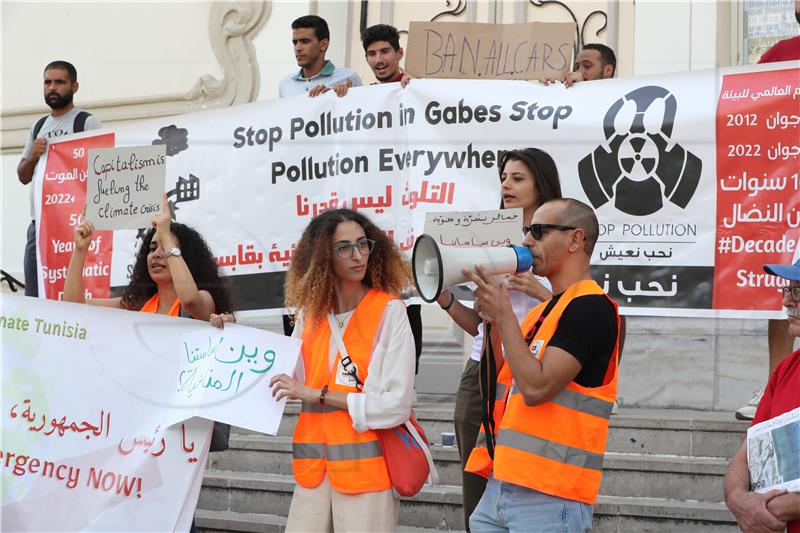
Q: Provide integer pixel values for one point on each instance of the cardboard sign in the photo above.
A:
(125, 186)
(475, 228)
(528, 51)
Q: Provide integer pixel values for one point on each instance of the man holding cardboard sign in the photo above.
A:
(594, 62)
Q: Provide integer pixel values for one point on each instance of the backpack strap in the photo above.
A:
(38, 126)
(80, 121)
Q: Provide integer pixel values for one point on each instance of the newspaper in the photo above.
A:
(773, 453)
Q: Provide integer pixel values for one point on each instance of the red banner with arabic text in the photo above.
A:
(758, 189)
(63, 198)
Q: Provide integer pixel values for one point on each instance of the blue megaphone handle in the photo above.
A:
(524, 258)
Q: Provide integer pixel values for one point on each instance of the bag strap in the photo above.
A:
(79, 123)
(488, 387)
(433, 475)
(347, 363)
(38, 127)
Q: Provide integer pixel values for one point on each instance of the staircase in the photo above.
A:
(663, 471)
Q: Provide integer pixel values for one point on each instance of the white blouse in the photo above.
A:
(388, 392)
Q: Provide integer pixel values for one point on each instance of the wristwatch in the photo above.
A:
(175, 251)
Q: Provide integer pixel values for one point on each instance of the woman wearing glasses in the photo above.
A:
(344, 281)
(528, 178)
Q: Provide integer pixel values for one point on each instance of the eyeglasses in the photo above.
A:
(794, 291)
(537, 230)
(346, 250)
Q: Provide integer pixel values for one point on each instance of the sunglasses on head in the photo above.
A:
(537, 230)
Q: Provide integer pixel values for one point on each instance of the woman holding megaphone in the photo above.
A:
(528, 178)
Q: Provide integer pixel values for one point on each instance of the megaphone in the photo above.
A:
(436, 268)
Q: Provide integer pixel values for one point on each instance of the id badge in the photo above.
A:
(536, 348)
(343, 377)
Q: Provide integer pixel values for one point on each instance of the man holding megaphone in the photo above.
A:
(555, 386)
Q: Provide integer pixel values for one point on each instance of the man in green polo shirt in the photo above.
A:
(311, 38)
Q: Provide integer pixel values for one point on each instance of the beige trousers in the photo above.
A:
(323, 509)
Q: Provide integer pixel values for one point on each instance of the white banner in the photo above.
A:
(99, 427)
(643, 151)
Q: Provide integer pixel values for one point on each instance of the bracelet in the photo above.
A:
(322, 394)
(448, 306)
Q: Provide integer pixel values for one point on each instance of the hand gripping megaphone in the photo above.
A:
(436, 267)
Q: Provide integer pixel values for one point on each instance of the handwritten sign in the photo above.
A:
(235, 364)
(476, 228)
(528, 51)
(125, 186)
(100, 411)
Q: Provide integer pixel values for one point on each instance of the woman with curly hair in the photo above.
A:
(174, 274)
(344, 280)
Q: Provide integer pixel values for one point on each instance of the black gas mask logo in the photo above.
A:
(638, 166)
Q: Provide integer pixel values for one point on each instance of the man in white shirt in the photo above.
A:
(60, 84)
(311, 38)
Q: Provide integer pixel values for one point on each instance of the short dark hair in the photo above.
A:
(64, 65)
(544, 169)
(580, 215)
(318, 24)
(381, 32)
(607, 56)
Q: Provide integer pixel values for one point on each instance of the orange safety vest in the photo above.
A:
(324, 439)
(479, 461)
(151, 306)
(557, 447)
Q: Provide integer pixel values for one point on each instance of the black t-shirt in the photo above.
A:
(587, 330)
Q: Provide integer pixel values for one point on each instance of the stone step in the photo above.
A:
(614, 514)
(643, 431)
(650, 476)
(219, 521)
(439, 507)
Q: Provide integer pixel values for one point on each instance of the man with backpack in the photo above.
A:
(60, 84)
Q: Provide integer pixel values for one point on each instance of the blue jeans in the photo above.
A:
(29, 263)
(505, 507)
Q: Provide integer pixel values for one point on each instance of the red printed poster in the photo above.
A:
(63, 197)
(758, 190)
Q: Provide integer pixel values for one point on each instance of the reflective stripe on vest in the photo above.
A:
(550, 450)
(325, 442)
(336, 452)
(501, 392)
(317, 408)
(579, 402)
(557, 447)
